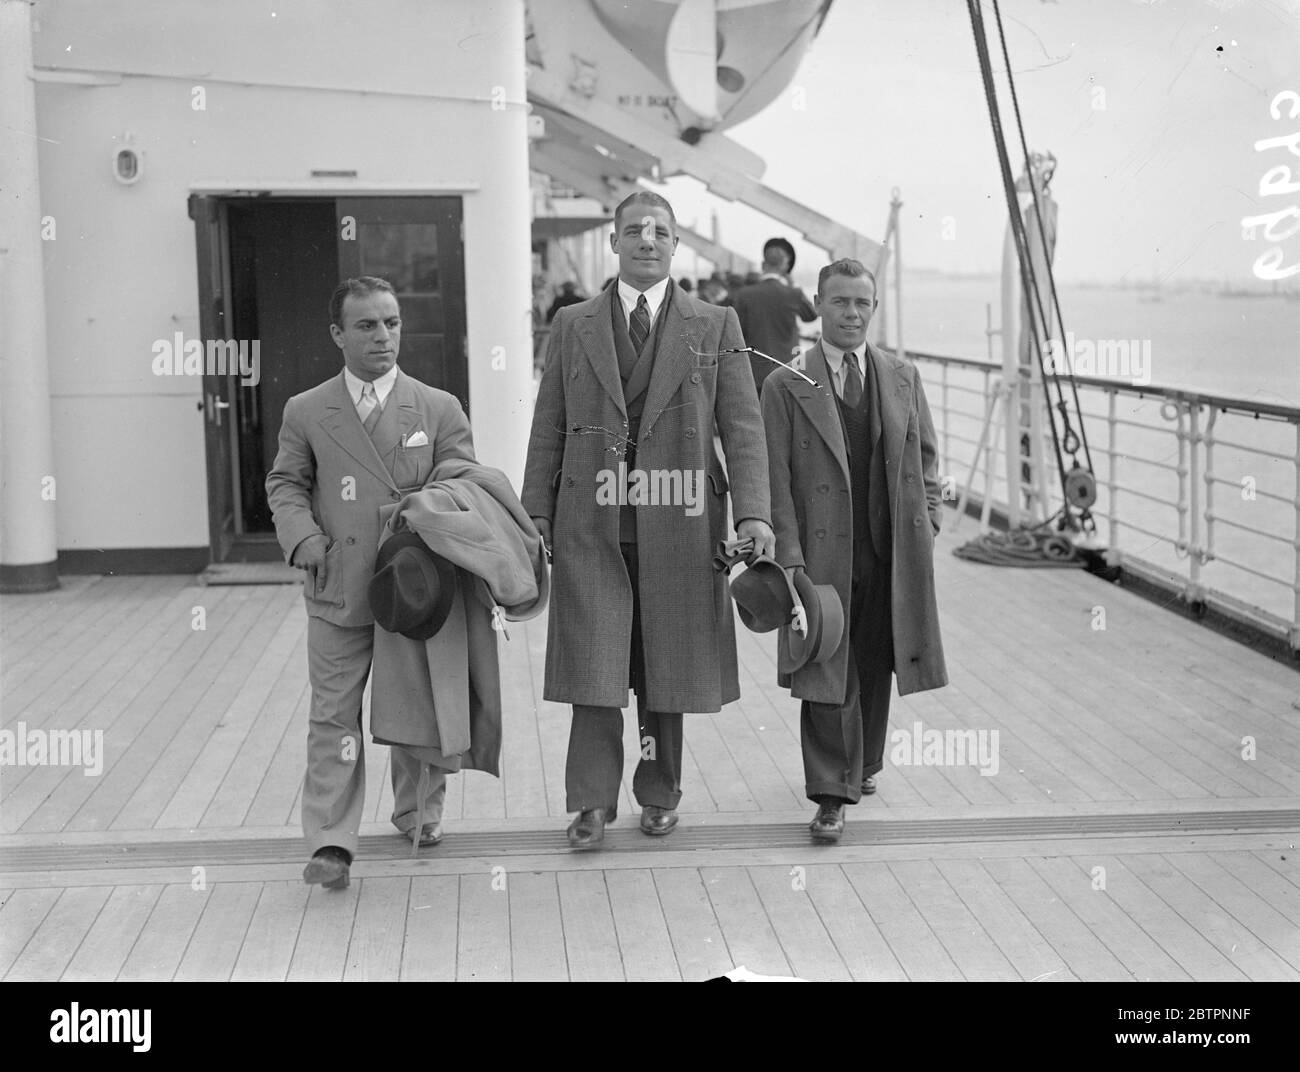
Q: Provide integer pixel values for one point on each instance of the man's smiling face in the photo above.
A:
(645, 239)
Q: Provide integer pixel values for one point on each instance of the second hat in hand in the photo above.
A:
(412, 589)
(825, 617)
(764, 596)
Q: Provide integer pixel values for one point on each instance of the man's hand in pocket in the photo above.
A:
(310, 556)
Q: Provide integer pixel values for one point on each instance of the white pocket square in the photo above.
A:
(419, 439)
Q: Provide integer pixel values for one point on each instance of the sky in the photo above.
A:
(1153, 128)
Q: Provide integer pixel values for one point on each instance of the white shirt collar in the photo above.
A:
(383, 385)
(654, 297)
(775, 275)
(835, 360)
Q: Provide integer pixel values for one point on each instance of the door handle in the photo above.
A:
(215, 407)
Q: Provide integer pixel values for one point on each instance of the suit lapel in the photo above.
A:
(401, 417)
(680, 337)
(343, 426)
(596, 333)
(818, 403)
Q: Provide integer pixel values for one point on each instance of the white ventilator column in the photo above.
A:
(28, 548)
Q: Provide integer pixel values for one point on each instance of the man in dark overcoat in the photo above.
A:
(625, 484)
(855, 503)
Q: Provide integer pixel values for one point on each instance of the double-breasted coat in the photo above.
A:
(578, 438)
(812, 513)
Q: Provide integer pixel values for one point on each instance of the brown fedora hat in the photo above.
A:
(825, 618)
(412, 589)
(763, 595)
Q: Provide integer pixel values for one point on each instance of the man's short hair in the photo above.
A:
(845, 266)
(644, 197)
(360, 288)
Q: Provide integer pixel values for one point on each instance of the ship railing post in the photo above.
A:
(1195, 553)
(1295, 583)
(943, 392)
(1112, 477)
(1208, 439)
(895, 204)
(1180, 410)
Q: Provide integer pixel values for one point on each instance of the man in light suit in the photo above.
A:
(636, 380)
(856, 503)
(348, 447)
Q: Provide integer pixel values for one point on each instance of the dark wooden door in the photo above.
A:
(208, 214)
(415, 243)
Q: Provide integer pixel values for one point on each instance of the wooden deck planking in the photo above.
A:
(190, 717)
(1088, 957)
(523, 777)
(55, 941)
(911, 941)
(744, 921)
(698, 942)
(809, 948)
(50, 798)
(1232, 938)
(962, 933)
(44, 694)
(1244, 904)
(21, 914)
(104, 949)
(1195, 954)
(1278, 890)
(26, 616)
(237, 719)
(150, 720)
(483, 937)
(234, 794)
(162, 941)
(378, 931)
(643, 939)
(321, 952)
(1019, 940)
(215, 945)
(537, 931)
(274, 802)
(432, 924)
(857, 939)
(40, 654)
(1192, 736)
(590, 938)
(1141, 955)
(272, 933)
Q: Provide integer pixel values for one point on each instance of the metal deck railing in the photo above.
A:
(1199, 490)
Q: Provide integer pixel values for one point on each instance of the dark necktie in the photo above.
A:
(852, 381)
(639, 325)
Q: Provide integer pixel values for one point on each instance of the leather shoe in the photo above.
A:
(828, 824)
(430, 834)
(868, 785)
(329, 867)
(587, 831)
(657, 821)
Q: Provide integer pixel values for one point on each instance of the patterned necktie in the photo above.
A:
(639, 325)
(369, 409)
(852, 381)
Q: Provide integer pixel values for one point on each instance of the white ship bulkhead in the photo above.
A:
(265, 118)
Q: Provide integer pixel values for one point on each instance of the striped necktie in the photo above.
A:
(639, 324)
(852, 381)
(369, 409)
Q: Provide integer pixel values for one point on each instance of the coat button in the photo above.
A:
(395, 495)
(695, 377)
(569, 480)
(823, 488)
(574, 374)
(911, 435)
(820, 534)
(689, 433)
(803, 443)
(916, 521)
(911, 478)
(350, 540)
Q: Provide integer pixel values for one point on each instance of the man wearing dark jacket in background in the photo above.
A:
(768, 308)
